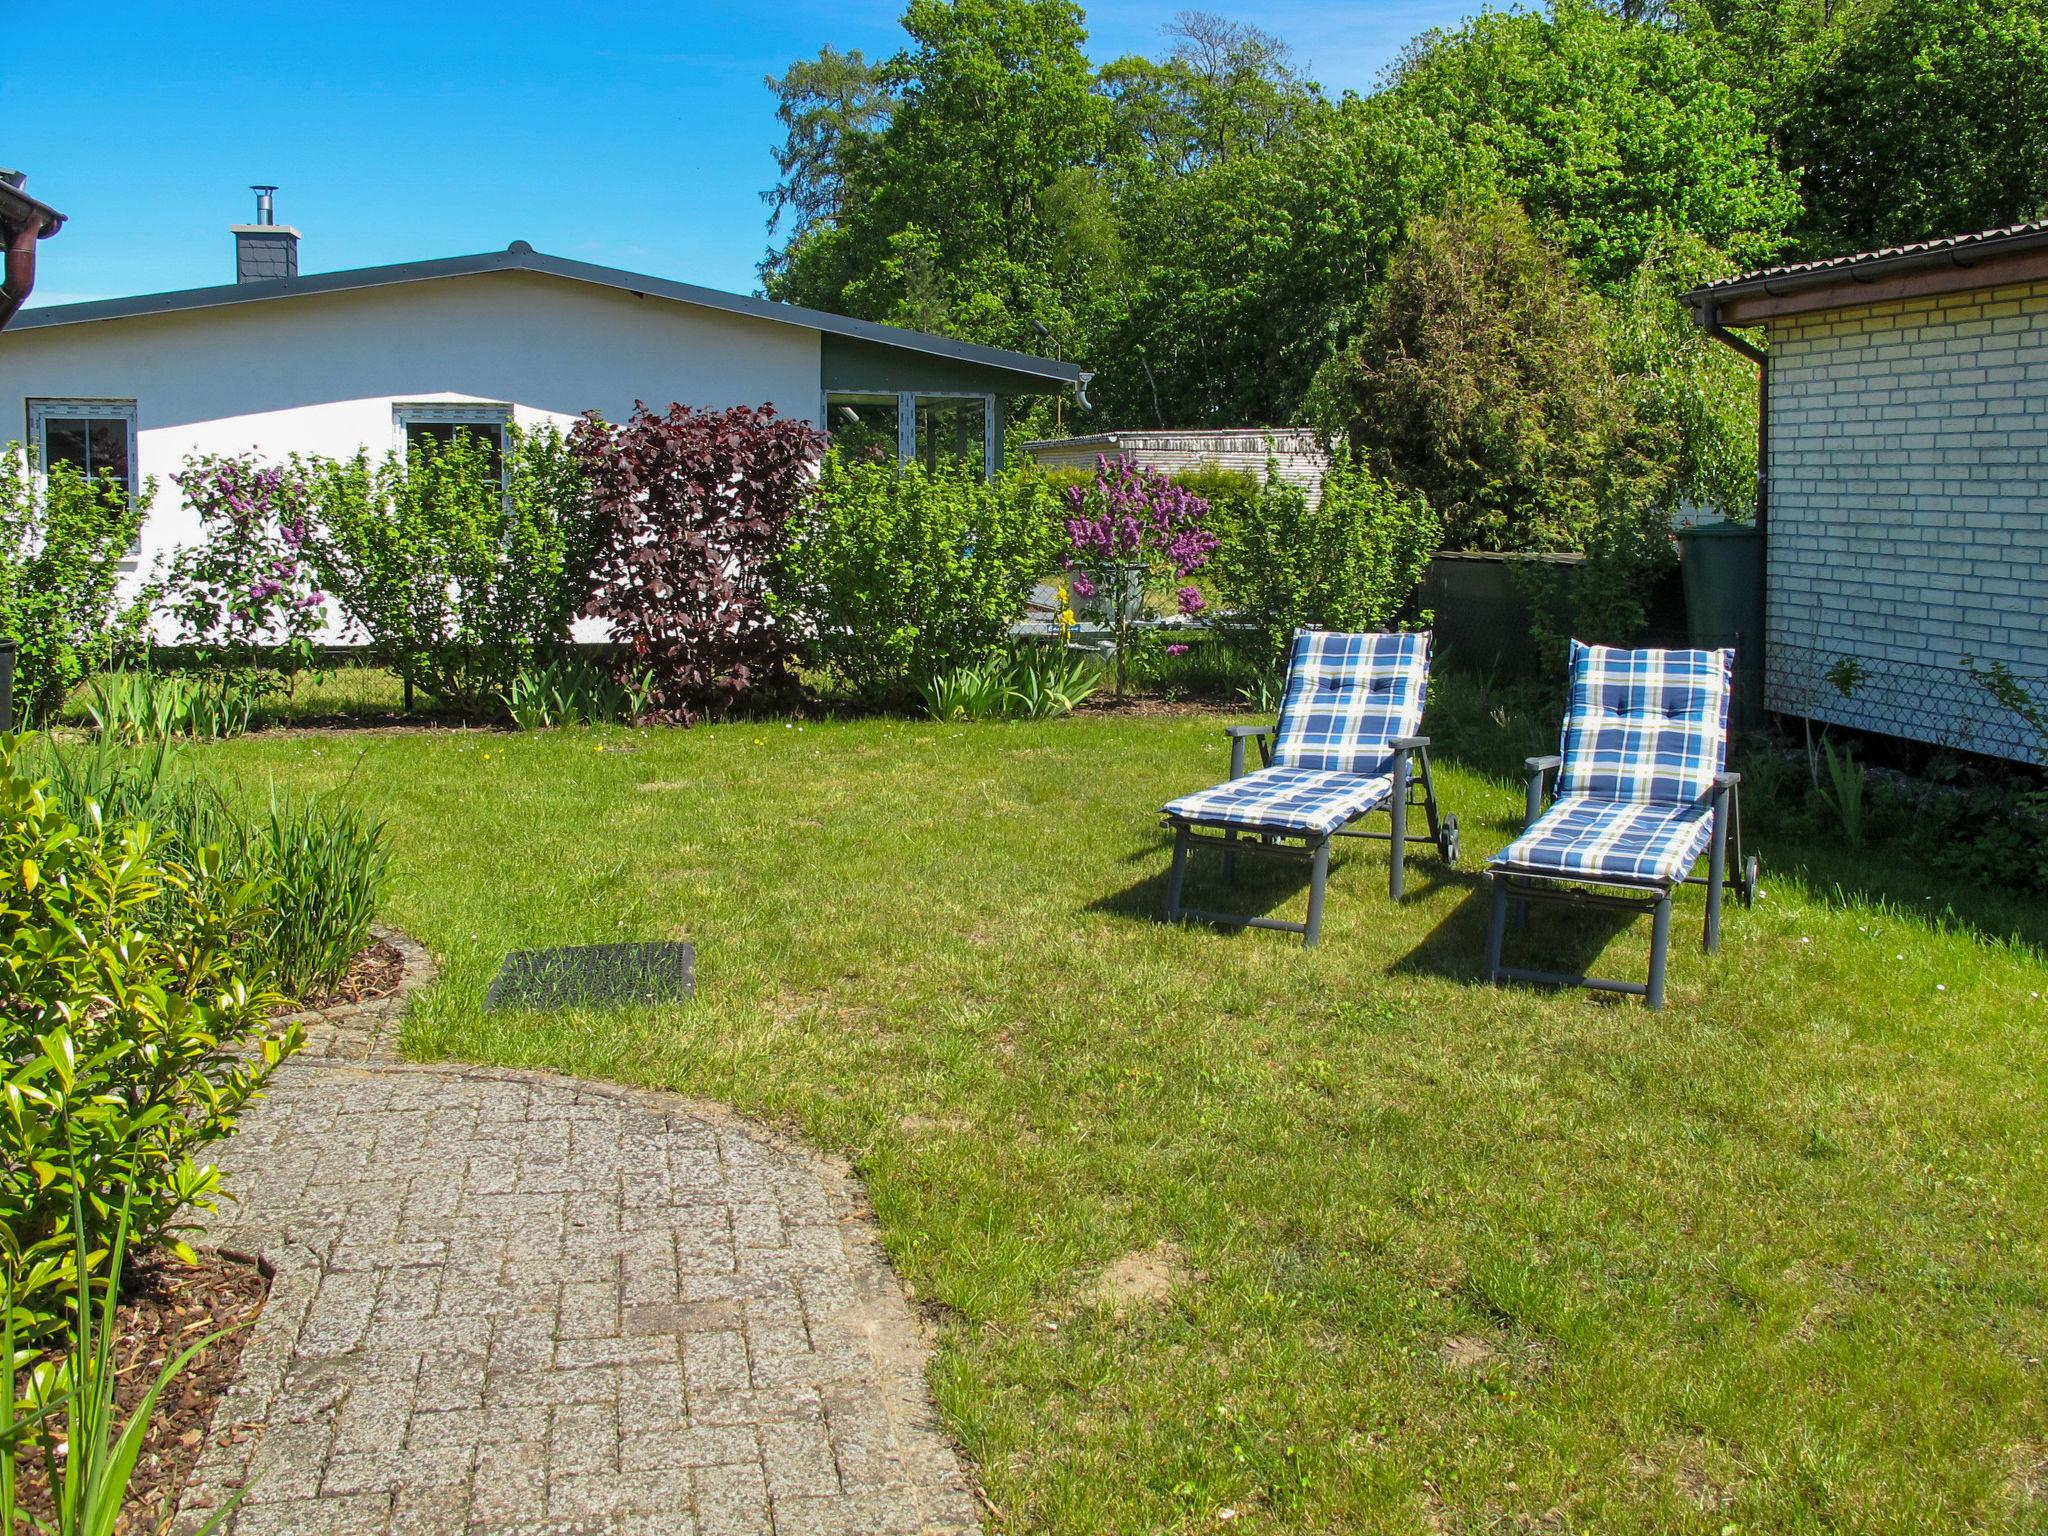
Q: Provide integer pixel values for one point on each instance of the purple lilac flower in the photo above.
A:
(1191, 600)
(1176, 649)
(1081, 585)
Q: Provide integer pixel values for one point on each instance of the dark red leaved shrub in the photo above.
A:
(693, 508)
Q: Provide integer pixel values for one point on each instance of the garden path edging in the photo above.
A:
(506, 1300)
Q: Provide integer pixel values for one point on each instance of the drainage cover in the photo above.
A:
(593, 976)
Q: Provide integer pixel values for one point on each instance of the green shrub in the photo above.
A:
(70, 1407)
(898, 574)
(1035, 682)
(128, 1000)
(1348, 563)
(459, 575)
(322, 861)
(1192, 664)
(63, 538)
(133, 707)
(570, 691)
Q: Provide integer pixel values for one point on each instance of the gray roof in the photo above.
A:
(1947, 250)
(17, 207)
(521, 257)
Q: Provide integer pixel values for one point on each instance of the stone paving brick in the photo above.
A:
(506, 1303)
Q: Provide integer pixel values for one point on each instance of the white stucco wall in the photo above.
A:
(322, 373)
(1909, 511)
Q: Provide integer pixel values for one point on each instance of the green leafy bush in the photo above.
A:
(88, 1459)
(242, 591)
(129, 1004)
(1036, 682)
(1195, 664)
(322, 861)
(570, 691)
(898, 574)
(133, 707)
(63, 538)
(458, 575)
(1348, 563)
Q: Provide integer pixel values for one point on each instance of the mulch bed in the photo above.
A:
(167, 1307)
(1147, 706)
(374, 973)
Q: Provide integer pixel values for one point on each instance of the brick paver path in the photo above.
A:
(509, 1302)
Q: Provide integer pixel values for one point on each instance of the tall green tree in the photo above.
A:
(1257, 268)
(831, 109)
(1614, 133)
(1481, 378)
(946, 222)
(1930, 118)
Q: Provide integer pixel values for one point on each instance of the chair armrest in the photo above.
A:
(1239, 735)
(1538, 769)
(1408, 743)
(1727, 780)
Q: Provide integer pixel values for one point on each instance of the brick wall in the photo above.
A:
(1909, 511)
(1301, 457)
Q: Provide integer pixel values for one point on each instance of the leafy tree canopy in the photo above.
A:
(1930, 118)
(1619, 134)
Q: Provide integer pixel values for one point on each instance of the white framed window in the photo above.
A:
(95, 437)
(960, 431)
(438, 422)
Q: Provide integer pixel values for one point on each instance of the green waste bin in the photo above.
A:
(1722, 565)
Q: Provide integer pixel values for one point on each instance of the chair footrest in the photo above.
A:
(1238, 920)
(1569, 979)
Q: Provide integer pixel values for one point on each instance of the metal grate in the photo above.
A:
(593, 976)
(1944, 706)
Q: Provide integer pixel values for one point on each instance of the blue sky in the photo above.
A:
(633, 136)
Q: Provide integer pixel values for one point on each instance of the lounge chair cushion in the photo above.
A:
(1645, 725)
(1277, 799)
(1590, 837)
(1347, 697)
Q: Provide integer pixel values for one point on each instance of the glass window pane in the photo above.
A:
(442, 435)
(863, 426)
(952, 435)
(109, 449)
(64, 442)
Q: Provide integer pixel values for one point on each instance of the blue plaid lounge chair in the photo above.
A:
(1642, 790)
(1346, 744)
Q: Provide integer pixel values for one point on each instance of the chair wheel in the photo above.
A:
(1752, 872)
(1447, 840)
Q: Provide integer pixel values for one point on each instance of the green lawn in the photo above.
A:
(1455, 1258)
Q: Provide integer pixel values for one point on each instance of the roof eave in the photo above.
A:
(1857, 273)
(521, 258)
(17, 209)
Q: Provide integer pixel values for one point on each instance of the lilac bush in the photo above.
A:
(243, 587)
(1132, 526)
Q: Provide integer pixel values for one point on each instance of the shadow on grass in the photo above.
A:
(1265, 883)
(1554, 938)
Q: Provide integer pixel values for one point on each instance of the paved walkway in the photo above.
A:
(510, 1302)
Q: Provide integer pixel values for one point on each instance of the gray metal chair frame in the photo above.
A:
(1652, 897)
(1413, 788)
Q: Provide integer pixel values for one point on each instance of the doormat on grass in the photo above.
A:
(593, 976)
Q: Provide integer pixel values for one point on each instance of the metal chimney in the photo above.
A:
(266, 249)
